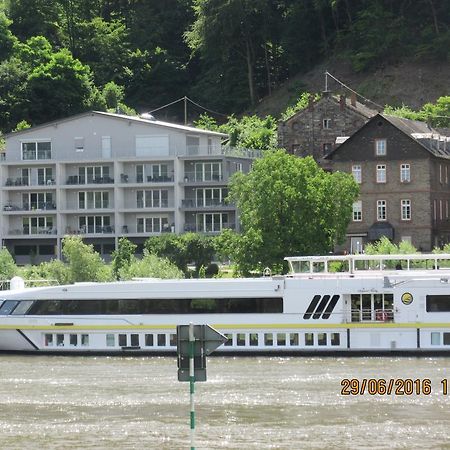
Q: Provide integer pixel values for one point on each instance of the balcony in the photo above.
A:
(193, 177)
(79, 180)
(162, 204)
(125, 178)
(206, 203)
(209, 228)
(40, 206)
(33, 231)
(96, 229)
(25, 181)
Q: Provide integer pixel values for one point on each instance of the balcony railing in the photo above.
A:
(96, 229)
(161, 204)
(30, 207)
(209, 228)
(204, 203)
(25, 181)
(27, 231)
(76, 179)
(125, 178)
(190, 177)
(89, 205)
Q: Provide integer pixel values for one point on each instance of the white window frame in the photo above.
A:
(94, 200)
(405, 173)
(381, 173)
(405, 207)
(105, 221)
(357, 211)
(41, 198)
(381, 210)
(78, 143)
(357, 173)
(97, 171)
(218, 221)
(208, 175)
(36, 149)
(380, 147)
(210, 196)
(38, 223)
(326, 124)
(152, 224)
(152, 198)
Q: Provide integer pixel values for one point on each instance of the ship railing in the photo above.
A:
(372, 315)
(5, 285)
(350, 264)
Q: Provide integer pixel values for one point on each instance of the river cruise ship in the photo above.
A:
(352, 304)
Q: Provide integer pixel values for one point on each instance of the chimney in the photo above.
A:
(342, 102)
(353, 99)
(310, 103)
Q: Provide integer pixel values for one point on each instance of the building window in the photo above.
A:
(93, 200)
(381, 173)
(211, 197)
(381, 210)
(213, 222)
(152, 224)
(441, 216)
(405, 173)
(406, 209)
(79, 144)
(440, 173)
(92, 174)
(36, 150)
(435, 210)
(357, 173)
(327, 147)
(95, 224)
(380, 147)
(38, 225)
(357, 211)
(326, 124)
(208, 171)
(154, 198)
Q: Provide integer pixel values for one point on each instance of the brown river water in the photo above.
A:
(52, 402)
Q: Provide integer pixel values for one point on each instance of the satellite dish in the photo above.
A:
(147, 116)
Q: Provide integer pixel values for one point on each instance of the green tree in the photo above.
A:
(8, 268)
(51, 271)
(84, 263)
(60, 88)
(289, 206)
(123, 256)
(150, 266)
(7, 39)
(301, 103)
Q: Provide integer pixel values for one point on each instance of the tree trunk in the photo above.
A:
(433, 12)
(248, 57)
(348, 10)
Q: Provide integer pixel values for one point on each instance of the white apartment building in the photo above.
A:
(103, 176)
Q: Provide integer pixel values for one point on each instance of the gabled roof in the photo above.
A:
(137, 119)
(358, 108)
(430, 139)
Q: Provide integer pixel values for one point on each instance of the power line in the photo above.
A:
(352, 90)
(191, 101)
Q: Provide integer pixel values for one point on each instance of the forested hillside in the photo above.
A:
(60, 57)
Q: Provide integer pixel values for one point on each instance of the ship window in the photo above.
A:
(73, 339)
(135, 340)
(8, 307)
(149, 340)
(322, 338)
(293, 339)
(173, 340)
(48, 340)
(122, 340)
(435, 338)
(335, 339)
(435, 303)
(281, 339)
(85, 340)
(240, 339)
(60, 340)
(22, 307)
(229, 343)
(446, 338)
(155, 306)
(268, 339)
(254, 339)
(309, 338)
(110, 340)
(161, 340)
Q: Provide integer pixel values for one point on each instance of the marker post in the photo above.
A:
(192, 382)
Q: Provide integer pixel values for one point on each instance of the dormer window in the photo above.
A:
(380, 147)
